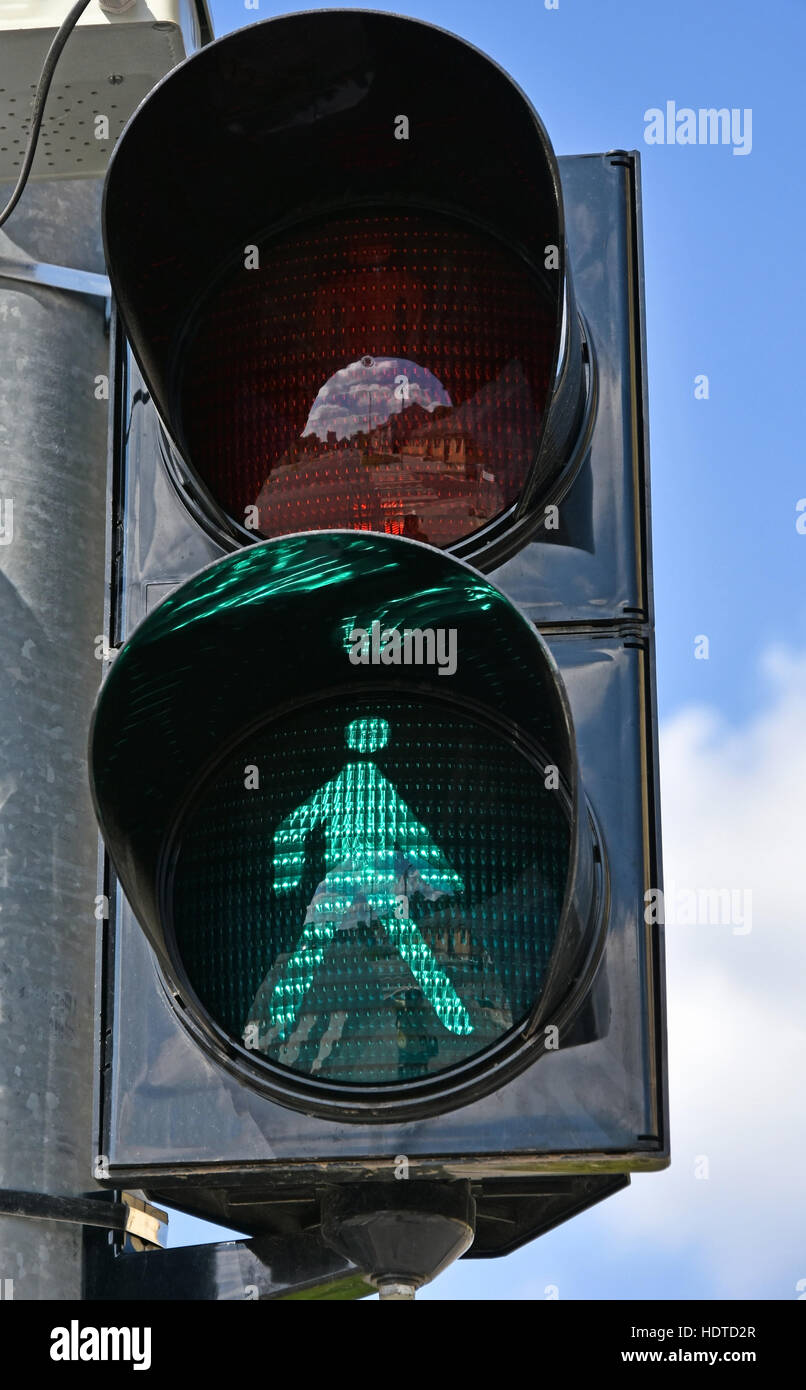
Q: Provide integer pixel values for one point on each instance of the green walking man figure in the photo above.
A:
(377, 854)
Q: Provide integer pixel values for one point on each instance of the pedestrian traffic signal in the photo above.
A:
(368, 894)
(376, 761)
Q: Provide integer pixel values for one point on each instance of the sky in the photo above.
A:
(723, 237)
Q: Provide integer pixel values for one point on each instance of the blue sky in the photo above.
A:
(723, 238)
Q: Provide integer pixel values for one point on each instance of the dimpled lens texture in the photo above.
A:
(370, 893)
(385, 373)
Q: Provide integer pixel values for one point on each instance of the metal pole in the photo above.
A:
(53, 416)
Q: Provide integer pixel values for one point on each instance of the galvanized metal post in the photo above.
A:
(53, 420)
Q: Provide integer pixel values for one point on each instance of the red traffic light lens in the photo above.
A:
(376, 372)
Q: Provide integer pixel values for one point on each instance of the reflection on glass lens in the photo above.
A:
(382, 372)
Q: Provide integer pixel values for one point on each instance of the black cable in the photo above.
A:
(38, 110)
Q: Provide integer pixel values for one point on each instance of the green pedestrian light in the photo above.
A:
(376, 856)
(364, 886)
(403, 929)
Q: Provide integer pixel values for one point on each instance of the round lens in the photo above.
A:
(359, 913)
(380, 372)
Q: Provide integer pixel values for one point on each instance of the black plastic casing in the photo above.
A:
(568, 1129)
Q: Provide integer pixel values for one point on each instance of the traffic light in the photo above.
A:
(375, 762)
(368, 885)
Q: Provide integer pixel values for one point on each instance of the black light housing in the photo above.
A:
(263, 210)
(218, 679)
(270, 239)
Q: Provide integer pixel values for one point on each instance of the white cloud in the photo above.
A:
(366, 392)
(734, 815)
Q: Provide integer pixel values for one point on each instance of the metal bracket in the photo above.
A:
(57, 277)
(289, 1267)
(133, 1216)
